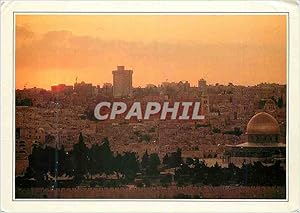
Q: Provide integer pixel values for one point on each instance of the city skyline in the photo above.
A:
(195, 85)
(243, 50)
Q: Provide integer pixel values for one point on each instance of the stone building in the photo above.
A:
(202, 85)
(122, 82)
(83, 89)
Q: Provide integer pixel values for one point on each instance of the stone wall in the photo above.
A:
(208, 192)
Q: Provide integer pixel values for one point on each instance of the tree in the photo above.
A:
(145, 137)
(166, 159)
(118, 164)
(216, 130)
(189, 161)
(69, 164)
(145, 160)
(95, 164)
(23, 102)
(277, 174)
(215, 175)
(46, 160)
(80, 158)
(274, 99)
(39, 163)
(154, 162)
(129, 165)
(177, 158)
(237, 131)
(106, 156)
(61, 161)
(200, 172)
(174, 160)
(280, 102)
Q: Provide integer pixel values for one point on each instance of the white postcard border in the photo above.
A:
(8, 10)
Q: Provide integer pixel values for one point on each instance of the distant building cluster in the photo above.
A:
(61, 88)
(121, 88)
(240, 121)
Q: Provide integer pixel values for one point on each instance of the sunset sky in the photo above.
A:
(245, 50)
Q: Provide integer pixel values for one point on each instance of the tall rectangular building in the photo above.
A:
(122, 82)
(202, 85)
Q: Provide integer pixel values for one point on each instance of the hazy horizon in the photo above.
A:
(101, 85)
(242, 49)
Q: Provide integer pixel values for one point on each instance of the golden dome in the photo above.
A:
(263, 124)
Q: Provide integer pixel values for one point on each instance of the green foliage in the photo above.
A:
(189, 161)
(174, 160)
(165, 159)
(145, 137)
(80, 158)
(261, 104)
(274, 99)
(249, 175)
(101, 159)
(201, 125)
(106, 156)
(150, 163)
(82, 162)
(142, 137)
(42, 161)
(216, 130)
(280, 102)
(23, 102)
(237, 132)
(145, 160)
(154, 162)
(95, 160)
(129, 165)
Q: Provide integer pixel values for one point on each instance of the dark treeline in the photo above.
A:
(83, 164)
(23, 102)
(248, 175)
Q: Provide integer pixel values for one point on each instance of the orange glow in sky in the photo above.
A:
(242, 49)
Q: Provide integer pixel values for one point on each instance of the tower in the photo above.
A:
(270, 106)
(202, 85)
(122, 82)
(204, 104)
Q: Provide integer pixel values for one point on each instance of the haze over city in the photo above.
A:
(135, 111)
(245, 50)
